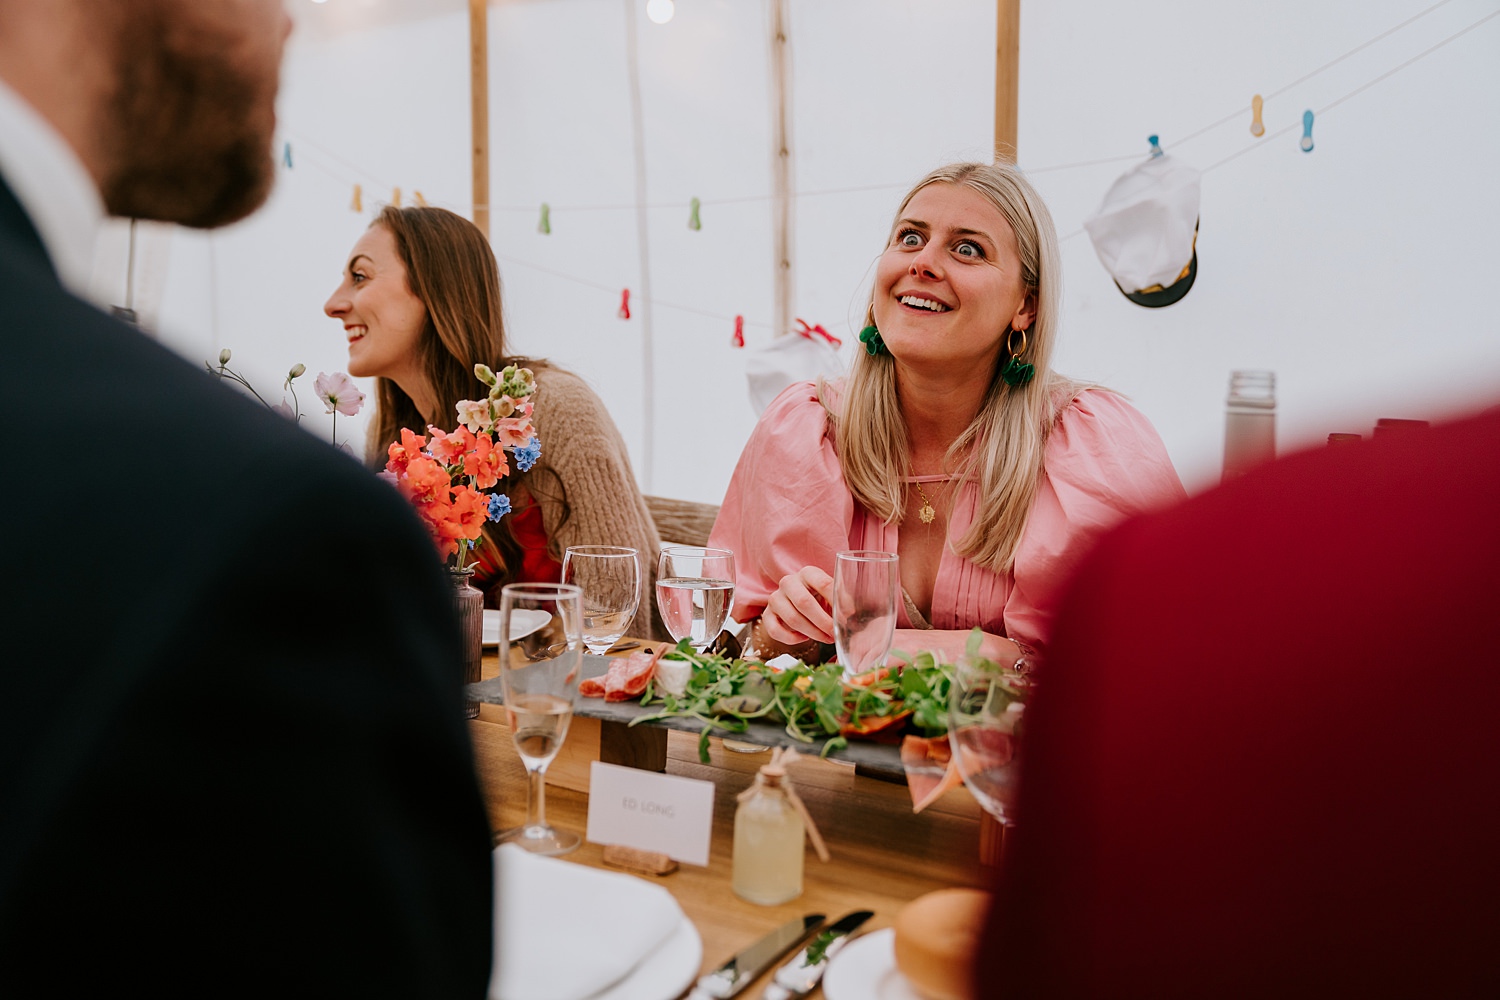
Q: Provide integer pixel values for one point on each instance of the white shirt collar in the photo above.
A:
(53, 187)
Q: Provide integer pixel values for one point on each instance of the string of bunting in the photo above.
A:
(1257, 130)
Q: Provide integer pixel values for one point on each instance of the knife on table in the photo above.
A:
(741, 970)
(797, 978)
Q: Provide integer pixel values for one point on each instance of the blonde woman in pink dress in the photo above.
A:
(952, 442)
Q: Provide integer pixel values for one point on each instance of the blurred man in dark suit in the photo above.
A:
(1264, 757)
(232, 755)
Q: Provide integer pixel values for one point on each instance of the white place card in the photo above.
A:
(651, 811)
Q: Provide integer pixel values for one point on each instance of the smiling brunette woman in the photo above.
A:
(420, 304)
(951, 443)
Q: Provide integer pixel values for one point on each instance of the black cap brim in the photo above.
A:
(1165, 296)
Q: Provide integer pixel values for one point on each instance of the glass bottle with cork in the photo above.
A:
(770, 828)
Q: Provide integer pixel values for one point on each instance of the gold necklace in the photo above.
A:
(926, 513)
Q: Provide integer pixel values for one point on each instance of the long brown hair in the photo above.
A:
(451, 269)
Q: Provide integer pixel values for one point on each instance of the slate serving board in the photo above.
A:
(879, 759)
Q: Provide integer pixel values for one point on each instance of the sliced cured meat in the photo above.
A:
(626, 678)
(930, 770)
(633, 676)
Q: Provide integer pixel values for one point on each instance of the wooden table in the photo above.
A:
(883, 854)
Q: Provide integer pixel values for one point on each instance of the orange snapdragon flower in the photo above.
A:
(485, 463)
(449, 448)
(400, 453)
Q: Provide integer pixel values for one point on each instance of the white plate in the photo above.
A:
(666, 972)
(865, 969)
(523, 622)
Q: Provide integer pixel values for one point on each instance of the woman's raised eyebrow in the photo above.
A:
(357, 257)
(974, 232)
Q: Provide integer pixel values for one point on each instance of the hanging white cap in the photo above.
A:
(1145, 232)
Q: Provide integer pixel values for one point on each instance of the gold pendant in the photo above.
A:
(926, 514)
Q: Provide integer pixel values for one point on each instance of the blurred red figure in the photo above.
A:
(1265, 757)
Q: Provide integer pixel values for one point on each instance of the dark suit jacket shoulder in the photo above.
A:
(232, 757)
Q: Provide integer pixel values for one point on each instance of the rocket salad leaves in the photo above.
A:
(812, 702)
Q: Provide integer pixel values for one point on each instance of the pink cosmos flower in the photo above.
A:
(339, 393)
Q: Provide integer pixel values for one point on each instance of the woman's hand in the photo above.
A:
(801, 608)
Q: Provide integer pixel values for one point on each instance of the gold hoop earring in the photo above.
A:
(1010, 343)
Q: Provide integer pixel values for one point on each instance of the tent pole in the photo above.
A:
(1007, 77)
(783, 206)
(479, 108)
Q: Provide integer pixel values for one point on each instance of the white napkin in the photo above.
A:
(566, 932)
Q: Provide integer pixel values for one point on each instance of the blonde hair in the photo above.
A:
(1002, 448)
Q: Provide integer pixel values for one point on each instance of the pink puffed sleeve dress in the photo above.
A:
(788, 507)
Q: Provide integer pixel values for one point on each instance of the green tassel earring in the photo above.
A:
(874, 346)
(1016, 373)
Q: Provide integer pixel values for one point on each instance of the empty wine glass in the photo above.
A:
(694, 588)
(985, 716)
(865, 583)
(609, 579)
(539, 674)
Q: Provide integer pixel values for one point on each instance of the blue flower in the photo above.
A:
(499, 506)
(526, 457)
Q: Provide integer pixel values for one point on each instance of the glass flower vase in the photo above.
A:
(469, 602)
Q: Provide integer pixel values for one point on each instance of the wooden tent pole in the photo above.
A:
(783, 177)
(1007, 77)
(479, 108)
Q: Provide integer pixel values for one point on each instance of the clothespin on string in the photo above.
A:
(738, 340)
(357, 203)
(693, 222)
(286, 154)
(1155, 144)
(817, 331)
(624, 312)
(396, 197)
(1307, 120)
(544, 225)
(1257, 127)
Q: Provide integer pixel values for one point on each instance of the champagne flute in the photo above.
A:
(985, 718)
(694, 588)
(539, 674)
(865, 583)
(609, 579)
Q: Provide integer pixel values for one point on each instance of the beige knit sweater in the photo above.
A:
(583, 451)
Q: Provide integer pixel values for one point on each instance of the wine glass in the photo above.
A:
(609, 578)
(541, 657)
(986, 705)
(865, 583)
(694, 588)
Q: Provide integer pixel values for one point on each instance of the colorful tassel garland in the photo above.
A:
(811, 331)
(738, 340)
(544, 226)
(624, 312)
(358, 202)
(286, 155)
(693, 222)
(416, 196)
(396, 197)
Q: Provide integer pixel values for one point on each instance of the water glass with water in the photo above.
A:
(694, 589)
